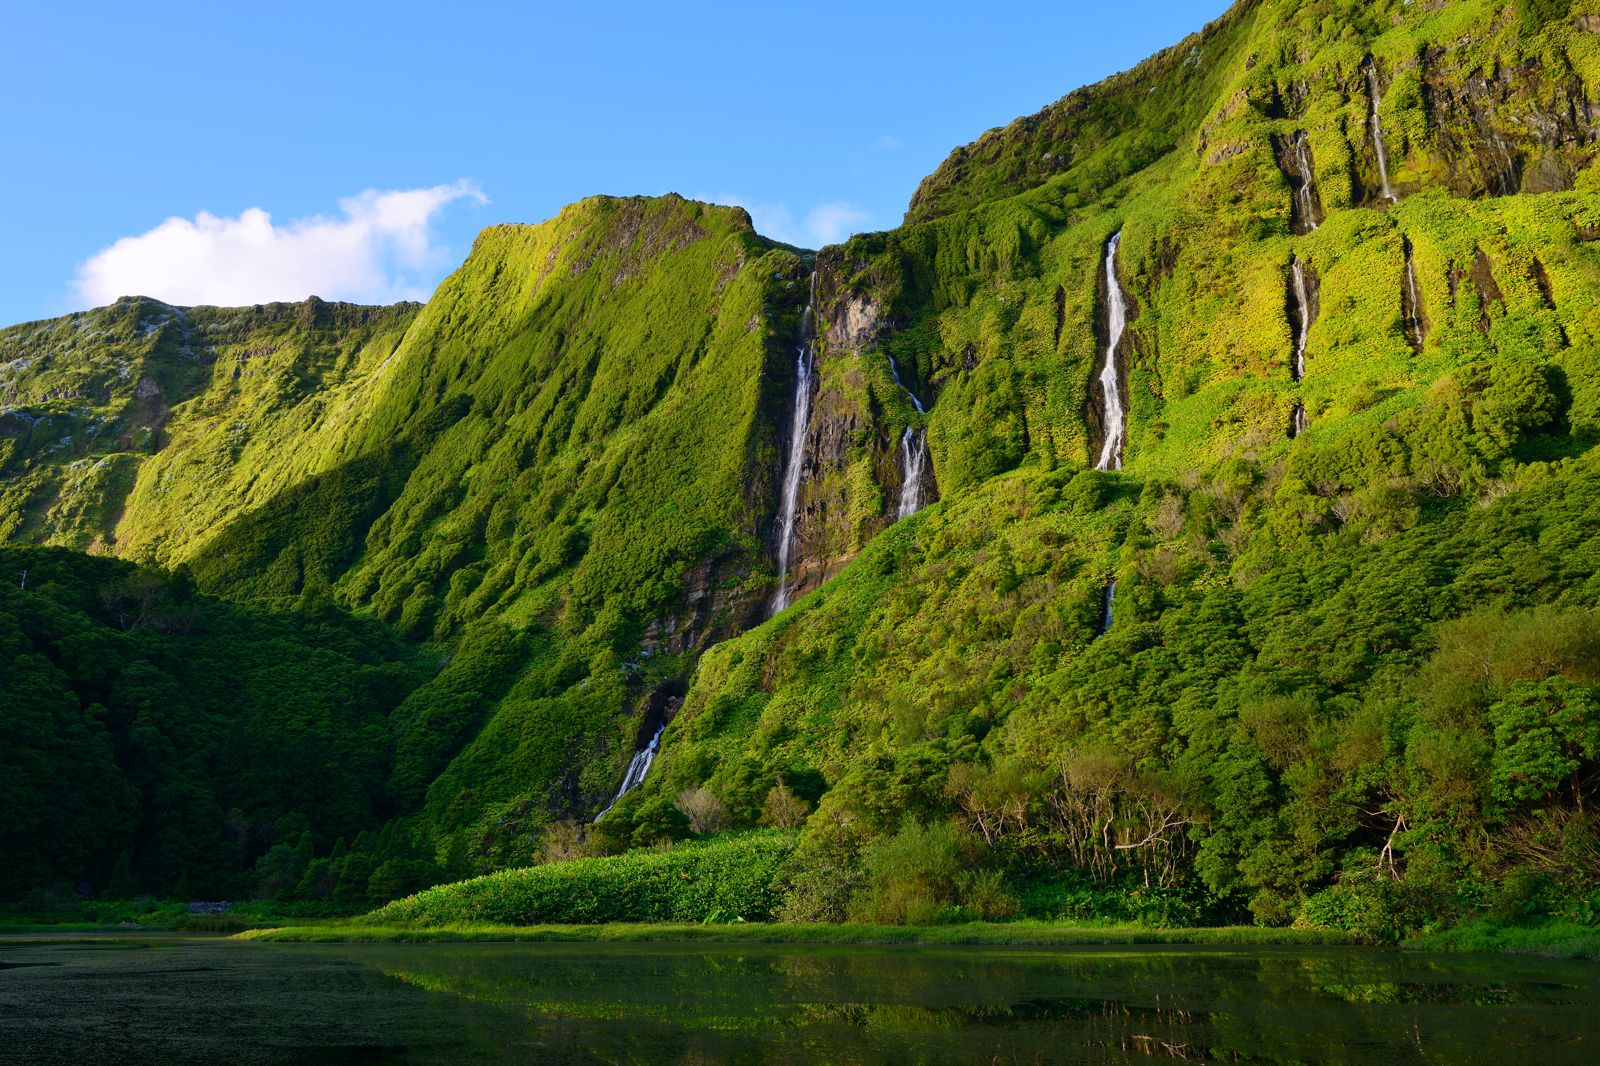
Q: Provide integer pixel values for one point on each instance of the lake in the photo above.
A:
(169, 999)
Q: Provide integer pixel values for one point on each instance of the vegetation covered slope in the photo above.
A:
(1350, 671)
(560, 470)
(1321, 649)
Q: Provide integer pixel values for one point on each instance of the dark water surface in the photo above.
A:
(200, 1000)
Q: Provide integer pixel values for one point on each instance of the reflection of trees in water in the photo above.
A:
(805, 1004)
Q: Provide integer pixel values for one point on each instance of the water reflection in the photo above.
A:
(207, 1000)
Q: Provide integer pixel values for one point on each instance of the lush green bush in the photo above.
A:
(156, 740)
(1375, 907)
(724, 879)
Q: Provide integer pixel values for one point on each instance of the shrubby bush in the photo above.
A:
(732, 876)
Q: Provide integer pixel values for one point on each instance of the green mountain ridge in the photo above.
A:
(1323, 648)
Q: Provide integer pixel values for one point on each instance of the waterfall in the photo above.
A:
(1413, 300)
(913, 455)
(797, 447)
(1293, 154)
(1110, 383)
(1302, 308)
(1105, 614)
(637, 768)
(1298, 423)
(1306, 195)
(1377, 131)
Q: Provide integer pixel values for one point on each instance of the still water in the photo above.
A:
(201, 1000)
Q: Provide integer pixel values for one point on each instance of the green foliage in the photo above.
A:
(1544, 733)
(1375, 908)
(1346, 676)
(728, 878)
(920, 876)
(152, 737)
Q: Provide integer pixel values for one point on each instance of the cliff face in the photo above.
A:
(1360, 381)
(853, 469)
(1356, 246)
(573, 441)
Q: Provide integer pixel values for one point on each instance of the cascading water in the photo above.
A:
(1110, 382)
(1377, 131)
(1298, 423)
(797, 446)
(913, 455)
(1293, 153)
(1413, 300)
(1105, 613)
(1306, 195)
(1302, 309)
(637, 769)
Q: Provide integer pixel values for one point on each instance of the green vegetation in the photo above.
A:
(1350, 676)
(730, 879)
(1009, 933)
(1558, 939)
(159, 741)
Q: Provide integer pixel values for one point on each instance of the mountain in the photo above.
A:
(1287, 608)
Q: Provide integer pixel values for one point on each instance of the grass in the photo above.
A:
(1006, 933)
(1556, 939)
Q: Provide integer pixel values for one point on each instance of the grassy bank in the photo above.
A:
(997, 933)
(1556, 939)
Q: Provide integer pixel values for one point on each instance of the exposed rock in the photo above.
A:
(853, 323)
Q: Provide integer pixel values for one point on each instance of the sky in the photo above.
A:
(242, 153)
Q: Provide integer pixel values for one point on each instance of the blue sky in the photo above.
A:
(240, 153)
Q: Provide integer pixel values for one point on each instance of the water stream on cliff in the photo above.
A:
(1302, 310)
(1105, 614)
(1298, 422)
(1110, 382)
(913, 455)
(1413, 300)
(797, 447)
(1377, 131)
(638, 767)
(1305, 195)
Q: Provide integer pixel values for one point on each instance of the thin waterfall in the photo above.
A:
(797, 447)
(1413, 299)
(1293, 153)
(1298, 422)
(1105, 613)
(913, 455)
(1377, 130)
(1302, 309)
(637, 768)
(1110, 382)
(1306, 195)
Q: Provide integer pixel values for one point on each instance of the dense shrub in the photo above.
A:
(723, 879)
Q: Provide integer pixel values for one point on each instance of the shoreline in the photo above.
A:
(1554, 940)
(1006, 934)
(1561, 940)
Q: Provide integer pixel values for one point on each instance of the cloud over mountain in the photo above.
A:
(379, 249)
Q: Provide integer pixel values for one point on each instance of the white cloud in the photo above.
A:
(832, 223)
(824, 224)
(380, 250)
